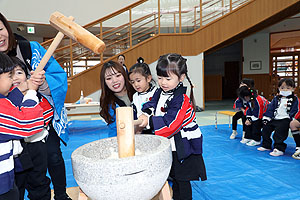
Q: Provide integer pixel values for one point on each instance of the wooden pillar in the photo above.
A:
(101, 37)
(200, 7)
(130, 28)
(174, 22)
(158, 11)
(179, 16)
(71, 57)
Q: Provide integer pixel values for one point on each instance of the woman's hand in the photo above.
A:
(144, 119)
(38, 78)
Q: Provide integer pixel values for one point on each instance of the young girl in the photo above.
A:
(16, 122)
(240, 105)
(141, 80)
(278, 116)
(256, 106)
(171, 114)
(295, 125)
(34, 179)
(116, 91)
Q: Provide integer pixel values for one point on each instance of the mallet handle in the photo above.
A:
(49, 52)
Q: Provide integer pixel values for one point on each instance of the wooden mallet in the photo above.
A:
(66, 26)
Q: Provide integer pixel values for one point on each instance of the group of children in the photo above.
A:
(261, 118)
(33, 120)
(165, 110)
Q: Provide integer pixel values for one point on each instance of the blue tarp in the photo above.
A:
(234, 170)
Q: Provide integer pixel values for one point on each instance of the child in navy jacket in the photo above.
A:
(240, 105)
(295, 125)
(15, 123)
(256, 106)
(171, 114)
(278, 117)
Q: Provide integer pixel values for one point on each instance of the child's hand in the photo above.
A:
(138, 130)
(38, 78)
(23, 87)
(144, 119)
(31, 85)
(248, 122)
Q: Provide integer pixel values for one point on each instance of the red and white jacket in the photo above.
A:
(16, 122)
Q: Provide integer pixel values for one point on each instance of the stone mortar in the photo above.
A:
(102, 175)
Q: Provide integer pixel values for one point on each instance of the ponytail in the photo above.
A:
(192, 92)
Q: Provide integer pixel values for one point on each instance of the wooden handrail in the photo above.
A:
(71, 51)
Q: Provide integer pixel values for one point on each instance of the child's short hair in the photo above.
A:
(141, 68)
(6, 64)
(19, 63)
(288, 81)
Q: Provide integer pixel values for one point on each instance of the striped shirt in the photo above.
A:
(16, 123)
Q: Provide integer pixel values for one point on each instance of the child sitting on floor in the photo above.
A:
(295, 125)
(256, 107)
(240, 105)
(278, 116)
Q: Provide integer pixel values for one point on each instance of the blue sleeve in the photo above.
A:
(55, 75)
(152, 103)
(112, 126)
(15, 96)
(294, 108)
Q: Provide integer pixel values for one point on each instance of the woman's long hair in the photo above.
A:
(12, 44)
(107, 98)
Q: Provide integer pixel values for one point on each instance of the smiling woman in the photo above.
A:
(116, 92)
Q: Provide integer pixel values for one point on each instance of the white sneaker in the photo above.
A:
(276, 152)
(244, 140)
(233, 134)
(263, 149)
(296, 155)
(252, 143)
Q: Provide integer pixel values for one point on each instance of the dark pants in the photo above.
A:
(296, 136)
(238, 115)
(12, 194)
(56, 164)
(281, 132)
(182, 190)
(35, 180)
(253, 131)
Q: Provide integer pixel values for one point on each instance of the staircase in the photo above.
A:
(189, 31)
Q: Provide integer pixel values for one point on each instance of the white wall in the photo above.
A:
(40, 11)
(256, 48)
